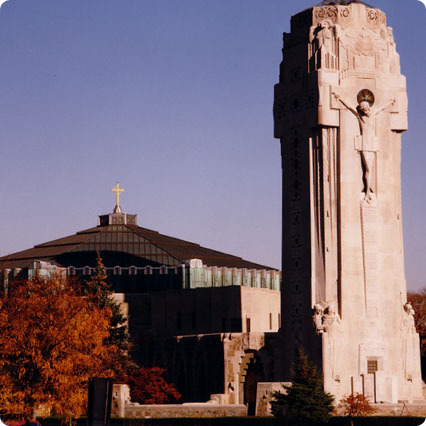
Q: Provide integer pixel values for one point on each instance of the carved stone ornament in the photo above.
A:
(345, 12)
(367, 42)
(328, 12)
(372, 15)
(375, 18)
(364, 45)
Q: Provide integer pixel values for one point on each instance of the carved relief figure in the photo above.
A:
(359, 46)
(330, 325)
(410, 342)
(366, 115)
(390, 39)
(407, 323)
(331, 318)
(382, 52)
(323, 39)
(325, 36)
(364, 44)
(317, 319)
(325, 323)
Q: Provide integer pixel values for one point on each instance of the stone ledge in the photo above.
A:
(413, 410)
(184, 410)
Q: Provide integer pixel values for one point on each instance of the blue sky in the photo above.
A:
(173, 99)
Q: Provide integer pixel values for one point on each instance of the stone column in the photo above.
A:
(340, 108)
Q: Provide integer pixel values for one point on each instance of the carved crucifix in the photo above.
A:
(366, 115)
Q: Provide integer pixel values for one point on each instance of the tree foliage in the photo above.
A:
(356, 405)
(305, 401)
(148, 386)
(52, 341)
(418, 302)
(101, 294)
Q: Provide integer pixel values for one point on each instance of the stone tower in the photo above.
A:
(340, 108)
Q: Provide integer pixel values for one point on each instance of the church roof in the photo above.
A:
(121, 242)
(122, 245)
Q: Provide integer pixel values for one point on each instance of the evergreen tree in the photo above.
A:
(305, 401)
(101, 294)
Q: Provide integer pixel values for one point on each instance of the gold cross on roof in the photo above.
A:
(117, 191)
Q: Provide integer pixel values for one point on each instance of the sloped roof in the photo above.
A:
(123, 243)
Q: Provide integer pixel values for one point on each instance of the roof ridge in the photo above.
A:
(168, 236)
(165, 248)
(156, 245)
(221, 254)
(48, 243)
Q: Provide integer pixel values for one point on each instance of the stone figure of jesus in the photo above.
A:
(366, 115)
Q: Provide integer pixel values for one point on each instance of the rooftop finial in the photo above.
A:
(117, 191)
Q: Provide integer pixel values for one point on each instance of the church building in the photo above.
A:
(197, 312)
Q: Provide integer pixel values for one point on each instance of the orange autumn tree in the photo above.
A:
(356, 405)
(52, 342)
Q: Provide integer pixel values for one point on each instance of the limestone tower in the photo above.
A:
(340, 108)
